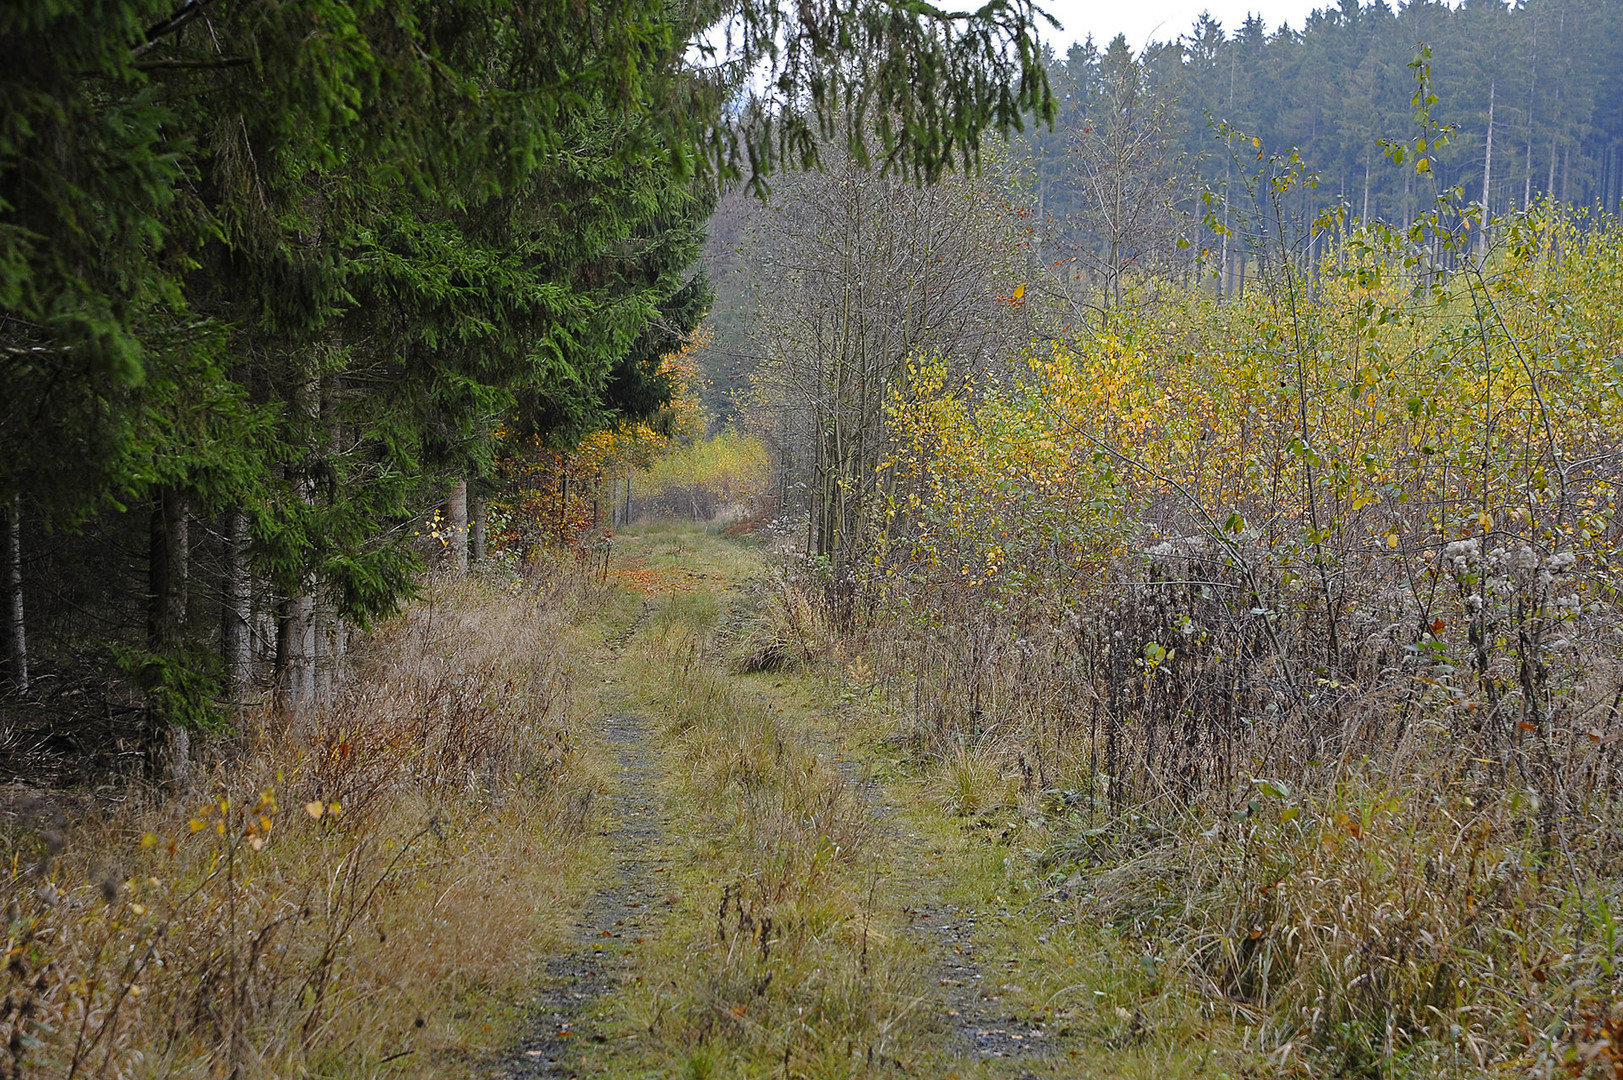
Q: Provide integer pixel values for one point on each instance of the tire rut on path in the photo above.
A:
(983, 1026)
(968, 1003)
(616, 919)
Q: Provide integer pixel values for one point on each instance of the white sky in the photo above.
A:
(1162, 20)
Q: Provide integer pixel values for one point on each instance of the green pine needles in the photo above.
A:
(273, 276)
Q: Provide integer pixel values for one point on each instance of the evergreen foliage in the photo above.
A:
(277, 274)
(1548, 70)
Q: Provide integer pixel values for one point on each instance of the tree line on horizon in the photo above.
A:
(1533, 92)
(1157, 166)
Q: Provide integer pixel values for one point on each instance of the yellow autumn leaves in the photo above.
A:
(251, 824)
(1356, 414)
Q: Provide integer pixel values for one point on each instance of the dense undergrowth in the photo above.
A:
(355, 887)
(1284, 635)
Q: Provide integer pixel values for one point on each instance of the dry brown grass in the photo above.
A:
(1396, 925)
(1411, 870)
(969, 780)
(790, 629)
(356, 888)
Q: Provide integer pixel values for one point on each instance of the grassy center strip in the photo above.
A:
(781, 953)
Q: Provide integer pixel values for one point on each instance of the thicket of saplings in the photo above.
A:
(703, 481)
(333, 888)
(1296, 618)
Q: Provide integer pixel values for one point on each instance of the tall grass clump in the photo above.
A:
(1297, 616)
(339, 888)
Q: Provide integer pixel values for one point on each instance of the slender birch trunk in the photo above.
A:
(236, 607)
(16, 625)
(456, 523)
(1487, 181)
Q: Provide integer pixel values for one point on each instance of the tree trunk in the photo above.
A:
(563, 509)
(287, 636)
(236, 607)
(167, 570)
(1487, 181)
(340, 648)
(16, 626)
(293, 654)
(294, 680)
(321, 674)
(1527, 179)
(456, 524)
(1603, 190)
(1532, 124)
(476, 529)
(179, 749)
(308, 623)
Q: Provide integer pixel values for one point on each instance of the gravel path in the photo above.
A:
(614, 922)
(976, 1024)
(969, 1004)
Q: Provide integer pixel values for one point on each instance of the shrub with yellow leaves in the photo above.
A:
(1301, 612)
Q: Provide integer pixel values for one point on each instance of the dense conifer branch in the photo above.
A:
(297, 276)
(187, 12)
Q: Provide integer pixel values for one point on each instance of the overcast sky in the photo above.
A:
(1162, 20)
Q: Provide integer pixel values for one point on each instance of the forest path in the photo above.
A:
(782, 900)
(618, 916)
